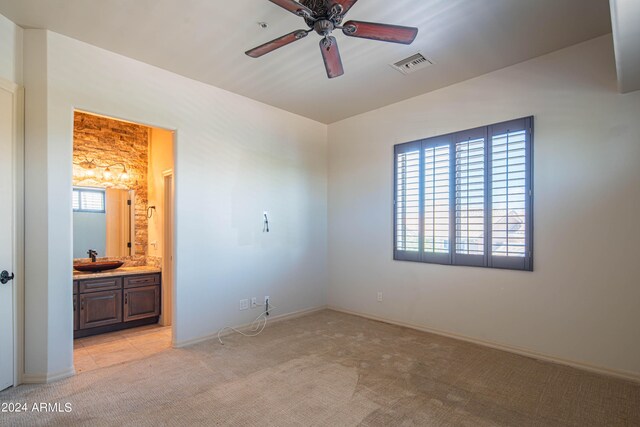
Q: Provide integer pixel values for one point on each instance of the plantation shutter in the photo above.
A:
(437, 200)
(466, 198)
(92, 201)
(407, 202)
(470, 198)
(88, 200)
(511, 193)
(76, 200)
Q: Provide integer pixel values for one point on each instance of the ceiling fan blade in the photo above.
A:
(381, 32)
(331, 56)
(277, 43)
(346, 5)
(294, 7)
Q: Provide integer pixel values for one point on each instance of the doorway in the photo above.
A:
(126, 162)
(10, 227)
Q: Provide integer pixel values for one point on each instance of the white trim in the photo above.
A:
(246, 326)
(626, 375)
(18, 227)
(9, 86)
(121, 119)
(19, 237)
(48, 378)
(174, 240)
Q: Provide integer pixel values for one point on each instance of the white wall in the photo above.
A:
(581, 302)
(234, 158)
(10, 51)
(36, 292)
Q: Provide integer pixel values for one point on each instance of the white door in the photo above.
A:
(6, 238)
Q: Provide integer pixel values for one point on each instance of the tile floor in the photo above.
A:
(101, 351)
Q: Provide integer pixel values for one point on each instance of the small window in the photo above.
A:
(88, 200)
(466, 198)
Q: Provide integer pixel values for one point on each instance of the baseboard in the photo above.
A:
(272, 319)
(47, 378)
(626, 375)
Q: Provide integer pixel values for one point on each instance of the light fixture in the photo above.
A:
(124, 176)
(91, 169)
(107, 174)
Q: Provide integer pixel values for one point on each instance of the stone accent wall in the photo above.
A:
(107, 141)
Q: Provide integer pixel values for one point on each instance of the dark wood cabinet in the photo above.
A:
(76, 325)
(76, 316)
(141, 303)
(100, 309)
(115, 302)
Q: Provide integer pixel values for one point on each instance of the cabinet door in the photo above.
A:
(143, 280)
(104, 284)
(100, 309)
(141, 303)
(75, 313)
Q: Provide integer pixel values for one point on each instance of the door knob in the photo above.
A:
(4, 277)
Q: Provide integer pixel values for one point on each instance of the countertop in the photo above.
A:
(122, 271)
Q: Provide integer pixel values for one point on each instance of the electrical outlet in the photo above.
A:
(254, 302)
(244, 304)
(379, 296)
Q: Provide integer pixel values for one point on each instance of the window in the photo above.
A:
(466, 198)
(88, 200)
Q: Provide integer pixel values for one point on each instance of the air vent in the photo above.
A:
(412, 64)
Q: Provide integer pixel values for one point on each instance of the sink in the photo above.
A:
(94, 267)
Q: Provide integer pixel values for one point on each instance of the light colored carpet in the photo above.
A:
(332, 369)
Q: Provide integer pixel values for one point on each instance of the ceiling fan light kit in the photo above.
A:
(325, 16)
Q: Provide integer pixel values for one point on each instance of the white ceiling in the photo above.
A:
(206, 40)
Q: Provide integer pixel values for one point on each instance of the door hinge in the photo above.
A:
(129, 202)
(129, 245)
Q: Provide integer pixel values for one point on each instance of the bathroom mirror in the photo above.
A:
(103, 221)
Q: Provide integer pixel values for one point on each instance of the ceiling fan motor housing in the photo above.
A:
(323, 9)
(324, 27)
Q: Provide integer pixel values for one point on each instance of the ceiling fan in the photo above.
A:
(324, 16)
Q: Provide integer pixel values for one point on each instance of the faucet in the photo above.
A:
(92, 254)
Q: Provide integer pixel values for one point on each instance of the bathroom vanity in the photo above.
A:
(113, 300)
